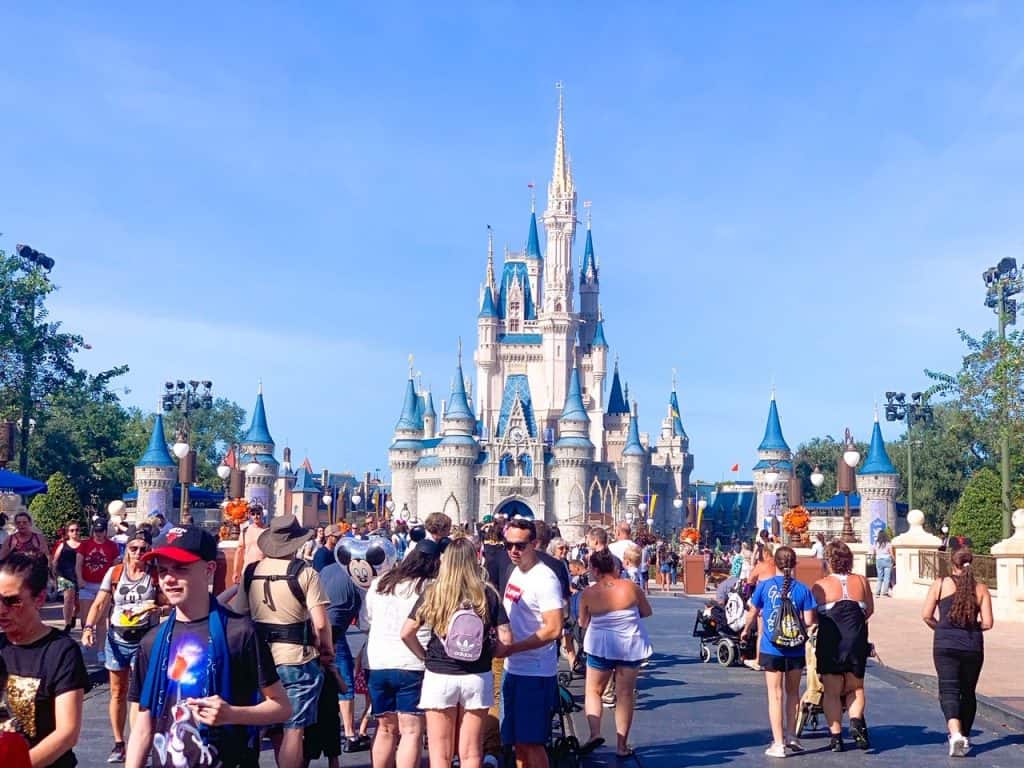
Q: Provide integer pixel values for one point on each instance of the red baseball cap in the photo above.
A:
(184, 544)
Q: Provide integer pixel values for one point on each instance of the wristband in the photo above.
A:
(89, 628)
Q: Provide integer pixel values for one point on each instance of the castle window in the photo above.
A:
(526, 465)
(506, 465)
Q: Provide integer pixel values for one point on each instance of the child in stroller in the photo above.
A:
(718, 626)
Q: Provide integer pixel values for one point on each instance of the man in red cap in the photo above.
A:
(197, 675)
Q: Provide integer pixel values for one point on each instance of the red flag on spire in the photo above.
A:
(231, 460)
(735, 467)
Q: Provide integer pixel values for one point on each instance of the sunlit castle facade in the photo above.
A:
(537, 435)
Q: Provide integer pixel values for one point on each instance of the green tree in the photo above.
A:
(53, 509)
(823, 453)
(978, 515)
(36, 356)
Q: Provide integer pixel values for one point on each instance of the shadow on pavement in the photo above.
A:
(650, 704)
(716, 750)
(979, 748)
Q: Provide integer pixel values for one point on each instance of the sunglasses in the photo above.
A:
(138, 549)
(11, 601)
(519, 546)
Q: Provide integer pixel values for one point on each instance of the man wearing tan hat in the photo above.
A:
(288, 606)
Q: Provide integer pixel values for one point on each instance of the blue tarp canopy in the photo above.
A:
(12, 482)
(837, 502)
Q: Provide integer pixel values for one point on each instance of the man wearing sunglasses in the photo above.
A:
(533, 602)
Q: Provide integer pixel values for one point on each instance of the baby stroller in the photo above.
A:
(578, 669)
(811, 711)
(718, 629)
(564, 747)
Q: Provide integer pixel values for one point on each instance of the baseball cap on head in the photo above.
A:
(185, 544)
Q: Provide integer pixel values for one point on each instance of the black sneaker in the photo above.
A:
(859, 731)
(356, 744)
(836, 743)
(117, 753)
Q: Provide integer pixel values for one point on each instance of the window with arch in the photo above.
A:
(526, 464)
(513, 315)
(506, 467)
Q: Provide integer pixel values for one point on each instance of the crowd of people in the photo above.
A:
(457, 623)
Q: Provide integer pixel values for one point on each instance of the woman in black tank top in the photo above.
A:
(964, 611)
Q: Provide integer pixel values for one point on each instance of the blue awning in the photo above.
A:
(12, 482)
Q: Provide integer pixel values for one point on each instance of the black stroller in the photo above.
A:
(718, 629)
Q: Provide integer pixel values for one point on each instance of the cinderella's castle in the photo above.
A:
(539, 436)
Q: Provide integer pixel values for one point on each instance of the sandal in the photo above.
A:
(630, 752)
(590, 746)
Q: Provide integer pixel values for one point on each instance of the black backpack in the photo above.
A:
(789, 630)
(299, 633)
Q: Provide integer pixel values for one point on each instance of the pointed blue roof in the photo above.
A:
(599, 340)
(517, 386)
(573, 409)
(410, 418)
(616, 402)
(877, 462)
(429, 408)
(533, 243)
(458, 402)
(487, 305)
(589, 263)
(258, 430)
(515, 271)
(633, 445)
(773, 439)
(304, 482)
(156, 454)
(677, 422)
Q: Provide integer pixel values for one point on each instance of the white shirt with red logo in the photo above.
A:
(527, 596)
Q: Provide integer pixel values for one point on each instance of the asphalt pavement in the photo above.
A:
(694, 714)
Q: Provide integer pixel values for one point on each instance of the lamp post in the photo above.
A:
(677, 504)
(356, 498)
(702, 504)
(224, 473)
(845, 482)
(186, 399)
(1002, 282)
(898, 409)
(327, 499)
(817, 477)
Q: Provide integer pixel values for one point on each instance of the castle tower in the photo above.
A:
(285, 482)
(305, 499)
(672, 452)
(458, 452)
(574, 454)
(486, 355)
(258, 446)
(406, 449)
(155, 476)
(590, 289)
(877, 481)
(634, 457)
(773, 454)
(559, 224)
(429, 416)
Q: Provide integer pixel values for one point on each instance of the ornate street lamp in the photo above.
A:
(186, 398)
(327, 499)
(817, 477)
(898, 409)
(846, 482)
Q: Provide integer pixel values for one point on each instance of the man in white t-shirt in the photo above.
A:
(533, 602)
(622, 541)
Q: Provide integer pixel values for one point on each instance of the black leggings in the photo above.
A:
(958, 673)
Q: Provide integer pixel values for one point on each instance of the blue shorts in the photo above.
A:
(302, 683)
(395, 690)
(346, 668)
(120, 655)
(528, 705)
(603, 664)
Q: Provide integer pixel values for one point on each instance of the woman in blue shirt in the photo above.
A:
(783, 666)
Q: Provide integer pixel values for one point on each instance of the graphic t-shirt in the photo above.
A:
(527, 596)
(97, 559)
(767, 598)
(440, 662)
(178, 740)
(132, 602)
(37, 674)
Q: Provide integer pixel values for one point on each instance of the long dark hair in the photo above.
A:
(416, 565)
(964, 611)
(785, 561)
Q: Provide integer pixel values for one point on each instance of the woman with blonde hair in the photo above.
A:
(464, 614)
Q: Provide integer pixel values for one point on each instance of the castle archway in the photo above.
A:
(515, 508)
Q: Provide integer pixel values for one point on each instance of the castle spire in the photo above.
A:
(156, 454)
(259, 432)
(561, 176)
(573, 409)
(877, 462)
(458, 402)
(633, 445)
(411, 418)
(617, 404)
(490, 261)
(773, 439)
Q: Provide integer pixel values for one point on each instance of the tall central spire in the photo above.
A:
(561, 176)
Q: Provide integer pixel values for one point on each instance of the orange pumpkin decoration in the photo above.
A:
(691, 535)
(796, 521)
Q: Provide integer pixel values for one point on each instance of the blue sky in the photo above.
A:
(239, 191)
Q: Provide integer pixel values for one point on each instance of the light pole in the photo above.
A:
(846, 482)
(898, 409)
(1002, 282)
(677, 504)
(327, 499)
(185, 399)
(224, 473)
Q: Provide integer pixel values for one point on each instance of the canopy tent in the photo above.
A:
(197, 497)
(12, 482)
(837, 504)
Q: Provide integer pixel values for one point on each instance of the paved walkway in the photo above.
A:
(693, 714)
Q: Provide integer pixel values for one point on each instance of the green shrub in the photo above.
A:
(53, 509)
(979, 513)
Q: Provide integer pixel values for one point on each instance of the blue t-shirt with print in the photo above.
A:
(767, 598)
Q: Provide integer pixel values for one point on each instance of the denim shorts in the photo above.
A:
(395, 690)
(302, 683)
(346, 668)
(527, 706)
(120, 655)
(603, 664)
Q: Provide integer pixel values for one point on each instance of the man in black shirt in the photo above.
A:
(197, 675)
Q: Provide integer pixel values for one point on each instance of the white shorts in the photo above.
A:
(472, 691)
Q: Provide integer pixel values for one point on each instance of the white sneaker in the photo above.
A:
(958, 745)
(778, 750)
(966, 746)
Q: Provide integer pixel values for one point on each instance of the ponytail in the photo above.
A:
(964, 610)
(785, 561)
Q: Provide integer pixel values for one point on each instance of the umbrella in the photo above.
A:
(12, 482)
